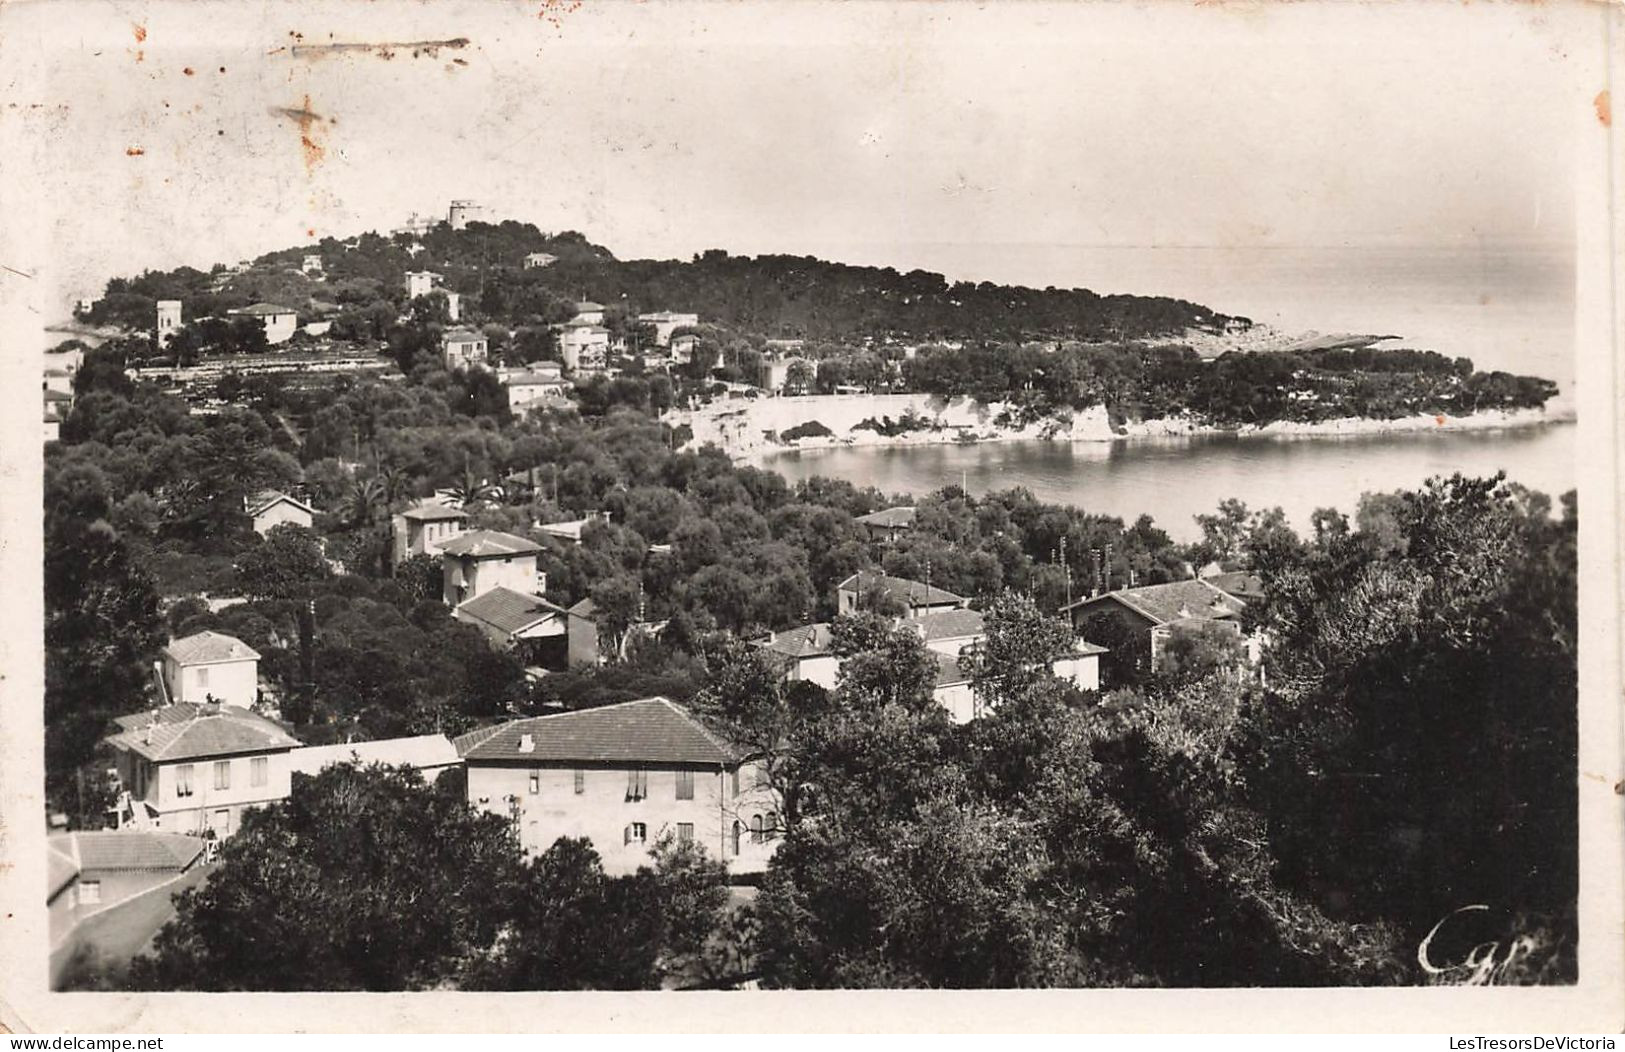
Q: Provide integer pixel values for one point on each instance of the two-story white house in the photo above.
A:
(211, 666)
(421, 529)
(478, 561)
(583, 345)
(623, 776)
(464, 349)
(191, 768)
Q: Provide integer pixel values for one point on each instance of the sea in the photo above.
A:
(1507, 307)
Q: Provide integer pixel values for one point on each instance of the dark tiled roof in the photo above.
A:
(951, 624)
(433, 511)
(113, 850)
(902, 516)
(1173, 601)
(508, 610)
(463, 336)
(806, 641)
(211, 731)
(178, 712)
(1238, 584)
(651, 731)
(488, 542)
(205, 647)
(901, 588)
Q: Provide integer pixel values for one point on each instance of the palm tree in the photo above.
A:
(363, 502)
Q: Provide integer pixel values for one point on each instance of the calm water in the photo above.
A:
(1505, 307)
(1174, 479)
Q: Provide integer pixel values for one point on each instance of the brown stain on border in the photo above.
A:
(1604, 105)
(307, 120)
(386, 50)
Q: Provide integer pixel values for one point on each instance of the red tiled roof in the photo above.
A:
(206, 647)
(488, 542)
(508, 610)
(211, 731)
(651, 731)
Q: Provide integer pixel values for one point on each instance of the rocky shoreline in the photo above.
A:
(755, 427)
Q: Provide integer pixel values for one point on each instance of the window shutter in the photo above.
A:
(627, 838)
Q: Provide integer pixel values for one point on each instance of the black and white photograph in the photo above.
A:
(736, 498)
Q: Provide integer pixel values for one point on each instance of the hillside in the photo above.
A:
(773, 296)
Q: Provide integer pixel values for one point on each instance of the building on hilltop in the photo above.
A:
(537, 260)
(460, 212)
(623, 776)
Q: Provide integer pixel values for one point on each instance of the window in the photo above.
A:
(183, 780)
(636, 833)
(637, 784)
(203, 677)
(736, 781)
(685, 831)
(737, 830)
(259, 771)
(535, 782)
(90, 891)
(581, 782)
(685, 785)
(222, 774)
(755, 829)
(772, 824)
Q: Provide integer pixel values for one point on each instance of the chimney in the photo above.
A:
(772, 636)
(527, 743)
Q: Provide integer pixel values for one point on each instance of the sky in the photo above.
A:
(200, 132)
